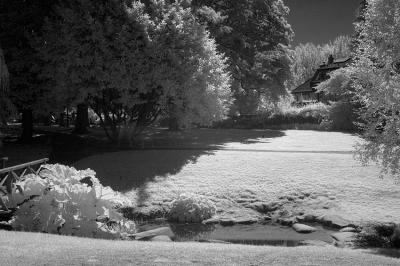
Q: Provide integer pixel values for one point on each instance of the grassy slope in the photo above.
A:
(42, 249)
(254, 166)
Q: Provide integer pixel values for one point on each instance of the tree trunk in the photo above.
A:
(82, 119)
(27, 125)
(173, 117)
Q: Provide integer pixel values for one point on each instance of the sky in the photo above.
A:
(319, 21)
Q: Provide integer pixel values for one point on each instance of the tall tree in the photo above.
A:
(377, 82)
(4, 83)
(19, 20)
(132, 63)
(254, 35)
(374, 80)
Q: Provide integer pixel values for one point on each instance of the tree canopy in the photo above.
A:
(373, 81)
(132, 63)
(254, 35)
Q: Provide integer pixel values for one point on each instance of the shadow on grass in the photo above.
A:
(160, 153)
(387, 252)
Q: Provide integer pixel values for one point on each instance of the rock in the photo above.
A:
(162, 231)
(343, 239)
(213, 220)
(348, 229)
(317, 243)
(161, 238)
(287, 221)
(334, 221)
(303, 229)
(246, 220)
(227, 222)
(307, 218)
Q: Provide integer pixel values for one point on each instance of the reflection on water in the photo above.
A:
(256, 234)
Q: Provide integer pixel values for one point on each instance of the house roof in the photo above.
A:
(321, 74)
(305, 87)
(337, 63)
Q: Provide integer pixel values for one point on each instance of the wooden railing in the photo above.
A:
(10, 175)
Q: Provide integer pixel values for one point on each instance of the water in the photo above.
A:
(255, 234)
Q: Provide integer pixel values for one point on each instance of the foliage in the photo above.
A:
(307, 57)
(133, 62)
(338, 85)
(191, 208)
(376, 80)
(381, 235)
(18, 21)
(342, 116)
(4, 84)
(282, 115)
(4, 75)
(63, 200)
(254, 35)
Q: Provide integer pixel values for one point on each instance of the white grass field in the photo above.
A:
(306, 171)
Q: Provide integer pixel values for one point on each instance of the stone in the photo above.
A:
(334, 221)
(246, 220)
(343, 239)
(287, 221)
(303, 229)
(227, 222)
(307, 218)
(348, 229)
(213, 220)
(162, 231)
(161, 238)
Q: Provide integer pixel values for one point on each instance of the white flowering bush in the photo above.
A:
(66, 201)
(191, 208)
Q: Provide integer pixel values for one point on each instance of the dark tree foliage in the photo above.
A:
(19, 21)
(254, 35)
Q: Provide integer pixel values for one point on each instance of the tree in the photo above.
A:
(254, 35)
(19, 20)
(131, 63)
(4, 83)
(375, 77)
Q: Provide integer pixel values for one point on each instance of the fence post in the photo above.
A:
(3, 165)
(3, 162)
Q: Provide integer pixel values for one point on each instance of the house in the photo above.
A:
(306, 92)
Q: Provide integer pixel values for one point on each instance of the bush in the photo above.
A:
(63, 200)
(383, 235)
(342, 116)
(191, 208)
(282, 115)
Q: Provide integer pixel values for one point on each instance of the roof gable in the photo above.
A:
(305, 87)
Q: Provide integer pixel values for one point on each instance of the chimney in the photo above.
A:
(330, 59)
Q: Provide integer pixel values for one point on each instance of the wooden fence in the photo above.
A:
(10, 175)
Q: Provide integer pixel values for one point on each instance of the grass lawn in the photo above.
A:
(19, 248)
(305, 171)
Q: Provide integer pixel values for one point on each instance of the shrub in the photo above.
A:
(191, 208)
(63, 200)
(342, 116)
(382, 235)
